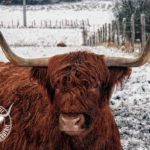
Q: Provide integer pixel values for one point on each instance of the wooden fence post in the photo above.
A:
(132, 32)
(45, 24)
(90, 40)
(124, 24)
(99, 36)
(105, 32)
(82, 24)
(24, 14)
(109, 32)
(92, 43)
(2, 25)
(143, 29)
(84, 35)
(17, 23)
(113, 31)
(118, 32)
(94, 39)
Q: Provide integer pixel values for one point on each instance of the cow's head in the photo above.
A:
(79, 84)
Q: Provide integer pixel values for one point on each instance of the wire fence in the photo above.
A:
(52, 24)
(127, 35)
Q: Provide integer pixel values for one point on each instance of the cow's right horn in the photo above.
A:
(19, 61)
(130, 62)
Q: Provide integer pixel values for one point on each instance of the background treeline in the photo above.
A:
(31, 2)
(125, 8)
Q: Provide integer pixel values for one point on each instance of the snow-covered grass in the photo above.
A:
(130, 104)
(131, 107)
(97, 12)
(43, 37)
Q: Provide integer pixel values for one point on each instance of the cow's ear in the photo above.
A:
(40, 74)
(118, 75)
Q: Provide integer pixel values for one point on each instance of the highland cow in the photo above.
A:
(62, 102)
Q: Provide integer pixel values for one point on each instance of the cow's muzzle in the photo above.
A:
(72, 124)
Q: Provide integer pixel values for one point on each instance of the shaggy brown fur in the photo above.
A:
(78, 82)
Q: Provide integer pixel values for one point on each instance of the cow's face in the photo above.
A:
(77, 109)
(79, 91)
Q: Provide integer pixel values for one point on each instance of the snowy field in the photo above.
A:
(96, 11)
(130, 104)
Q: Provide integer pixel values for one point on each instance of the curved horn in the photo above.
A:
(130, 62)
(19, 61)
(110, 61)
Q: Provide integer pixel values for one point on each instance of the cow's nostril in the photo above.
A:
(81, 120)
(78, 121)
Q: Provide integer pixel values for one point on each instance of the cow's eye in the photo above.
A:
(103, 85)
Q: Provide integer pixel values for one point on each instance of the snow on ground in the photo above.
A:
(42, 37)
(131, 107)
(97, 12)
(130, 104)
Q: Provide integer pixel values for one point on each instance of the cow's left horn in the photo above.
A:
(130, 62)
(19, 61)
